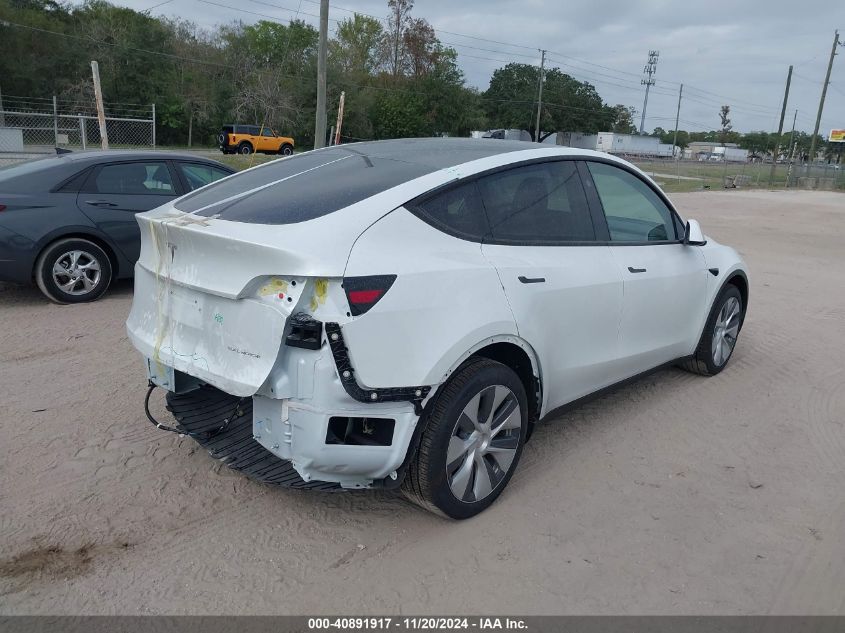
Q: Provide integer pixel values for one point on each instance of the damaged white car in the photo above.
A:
(401, 313)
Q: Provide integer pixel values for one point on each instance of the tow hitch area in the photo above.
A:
(415, 395)
(305, 331)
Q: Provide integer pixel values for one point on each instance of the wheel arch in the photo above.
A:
(740, 281)
(516, 354)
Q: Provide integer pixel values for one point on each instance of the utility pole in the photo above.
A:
(792, 133)
(675, 137)
(320, 127)
(649, 70)
(540, 94)
(339, 118)
(101, 113)
(780, 128)
(824, 94)
(2, 112)
(677, 118)
(55, 122)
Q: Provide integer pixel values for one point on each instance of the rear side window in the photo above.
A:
(457, 211)
(134, 179)
(538, 203)
(197, 175)
(634, 212)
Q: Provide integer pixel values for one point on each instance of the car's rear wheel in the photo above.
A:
(720, 334)
(286, 149)
(473, 438)
(245, 148)
(73, 270)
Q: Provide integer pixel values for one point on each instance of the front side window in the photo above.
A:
(151, 178)
(266, 131)
(634, 212)
(541, 203)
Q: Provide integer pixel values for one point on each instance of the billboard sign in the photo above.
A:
(836, 136)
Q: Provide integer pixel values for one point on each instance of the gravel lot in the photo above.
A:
(677, 494)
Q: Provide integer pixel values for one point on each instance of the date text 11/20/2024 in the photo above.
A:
(416, 623)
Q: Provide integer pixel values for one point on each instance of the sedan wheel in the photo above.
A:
(475, 428)
(73, 270)
(76, 272)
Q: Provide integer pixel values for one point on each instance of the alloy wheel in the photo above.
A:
(725, 331)
(484, 443)
(76, 272)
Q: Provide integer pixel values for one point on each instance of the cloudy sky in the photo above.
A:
(724, 52)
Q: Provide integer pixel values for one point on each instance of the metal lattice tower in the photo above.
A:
(648, 81)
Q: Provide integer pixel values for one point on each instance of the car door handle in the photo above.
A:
(100, 203)
(631, 269)
(532, 280)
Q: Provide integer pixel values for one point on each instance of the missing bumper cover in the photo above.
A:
(360, 431)
(415, 395)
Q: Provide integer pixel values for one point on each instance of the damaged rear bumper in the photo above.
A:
(312, 414)
(307, 413)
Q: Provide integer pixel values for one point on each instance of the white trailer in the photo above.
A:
(614, 143)
(577, 139)
(730, 154)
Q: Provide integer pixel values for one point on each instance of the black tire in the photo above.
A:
(245, 148)
(221, 138)
(92, 264)
(286, 149)
(426, 482)
(703, 360)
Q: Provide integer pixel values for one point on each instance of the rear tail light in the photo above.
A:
(364, 292)
(2, 207)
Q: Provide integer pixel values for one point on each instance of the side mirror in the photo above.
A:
(693, 235)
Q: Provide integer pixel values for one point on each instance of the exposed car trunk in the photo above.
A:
(212, 297)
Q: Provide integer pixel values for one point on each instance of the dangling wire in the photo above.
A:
(236, 413)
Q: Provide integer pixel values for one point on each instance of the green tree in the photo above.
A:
(623, 119)
(356, 48)
(724, 116)
(568, 104)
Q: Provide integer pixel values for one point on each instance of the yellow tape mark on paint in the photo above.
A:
(321, 291)
(272, 287)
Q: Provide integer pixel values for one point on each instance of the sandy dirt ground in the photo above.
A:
(677, 494)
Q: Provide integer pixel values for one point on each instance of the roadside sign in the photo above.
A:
(836, 136)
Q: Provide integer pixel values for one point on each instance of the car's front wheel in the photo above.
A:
(73, 270)
(472, 441)
(286, 149)
(720, 334)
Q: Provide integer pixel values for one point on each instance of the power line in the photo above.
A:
(581, 73)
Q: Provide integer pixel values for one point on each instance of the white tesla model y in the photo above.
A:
(399, 314)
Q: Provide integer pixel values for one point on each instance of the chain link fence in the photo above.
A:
(34, 128)
(691, 175)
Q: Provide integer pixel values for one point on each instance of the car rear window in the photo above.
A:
(9, 172)
(301, 188)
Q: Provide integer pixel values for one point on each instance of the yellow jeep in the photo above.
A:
(246, 139)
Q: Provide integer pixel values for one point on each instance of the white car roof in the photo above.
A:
(312, 184)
